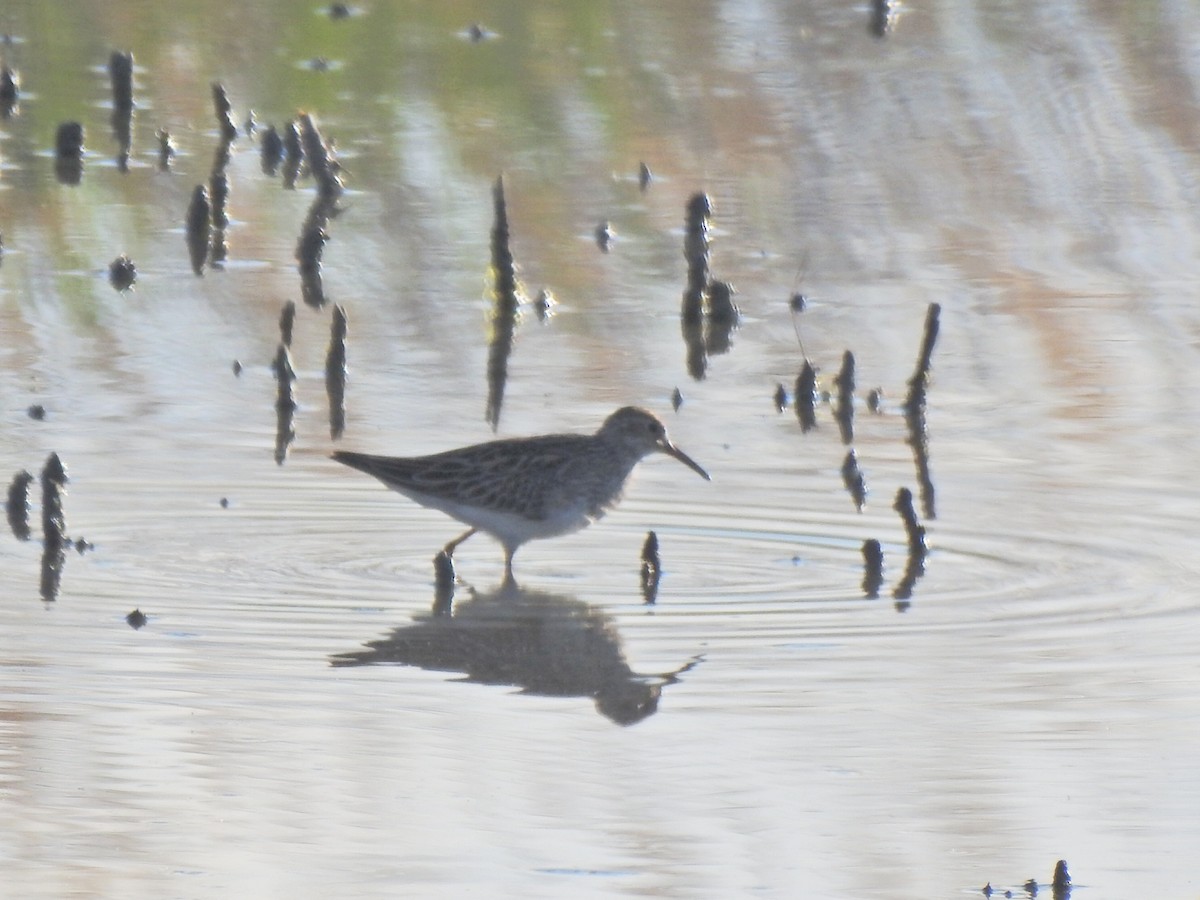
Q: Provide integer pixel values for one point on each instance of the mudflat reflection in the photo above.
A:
(547, 644)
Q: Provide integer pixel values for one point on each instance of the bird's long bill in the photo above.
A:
(671, 450)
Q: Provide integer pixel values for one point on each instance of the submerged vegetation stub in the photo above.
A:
(198, 228)
(68, 153)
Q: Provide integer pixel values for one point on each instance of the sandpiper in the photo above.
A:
(523, 489)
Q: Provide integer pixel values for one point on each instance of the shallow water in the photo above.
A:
(295, 720)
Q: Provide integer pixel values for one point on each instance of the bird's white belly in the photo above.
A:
(511, 529)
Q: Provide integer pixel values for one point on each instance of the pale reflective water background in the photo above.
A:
(1033, 169)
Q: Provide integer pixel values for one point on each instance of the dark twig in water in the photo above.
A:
(805, 397)
(287, 322)
(651, 571)
(199, 228)
(293, 154)
(314, 234)
(120, 73)
(505, 303)
(285, 403)
(872, 567)
(68, 153)
(914, 411)
(54, 526)
(335, 373)
(695, 254)
(844, 410)
(218, 195)
(224, 112)
(854, 480)
(17, 505)
(917, 548)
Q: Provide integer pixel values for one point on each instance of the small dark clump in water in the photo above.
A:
(781, 398)
(136, 619)
(676, 399)
(270, 148)
(604, 236)
(644, 176)
(1061, 884)
(37, 412)
(339, 11)
(544, 305)
(224, 503)
(237, 367)
(122, 273)
(166, 149)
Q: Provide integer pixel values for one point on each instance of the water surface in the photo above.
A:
(296, 720)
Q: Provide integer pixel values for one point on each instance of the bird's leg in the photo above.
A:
(508, 572)
(449, 548)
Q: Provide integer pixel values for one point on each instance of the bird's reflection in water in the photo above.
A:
(552, 645)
